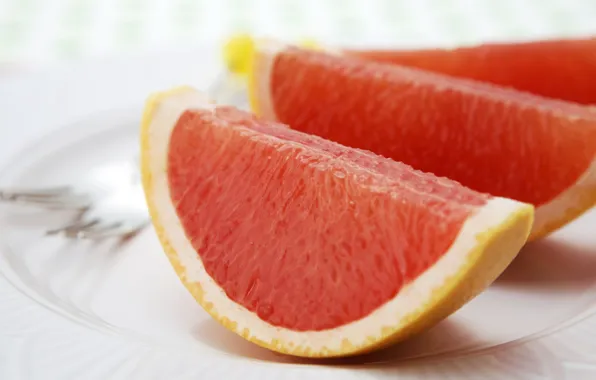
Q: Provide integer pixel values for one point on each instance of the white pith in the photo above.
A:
(558, 207)
(269, 49)
(554, 210)
(391, 314)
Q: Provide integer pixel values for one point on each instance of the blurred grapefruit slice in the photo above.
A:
(307, 247)
(492, 139)
(562, 68)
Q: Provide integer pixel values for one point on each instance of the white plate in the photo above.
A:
(74, 310)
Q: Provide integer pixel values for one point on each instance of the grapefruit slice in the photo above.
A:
(564, 68)
(307, 247)
(492, 139)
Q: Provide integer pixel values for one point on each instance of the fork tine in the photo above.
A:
(43, 192)
(100, 231)
(64, 201)
(115, 230)
(72, 229)
(14, 193)
(46, 198)
(59, 197)
(70, 204)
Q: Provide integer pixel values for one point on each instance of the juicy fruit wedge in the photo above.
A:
(564, 69)
(491, 139)
(307, 247)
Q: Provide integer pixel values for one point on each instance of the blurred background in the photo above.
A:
(43, 32)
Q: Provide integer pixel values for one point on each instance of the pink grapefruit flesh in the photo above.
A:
(338, 215)
(492, 139)
(563, 69)
(308, 247)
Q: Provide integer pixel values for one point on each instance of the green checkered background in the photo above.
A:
(56, 30)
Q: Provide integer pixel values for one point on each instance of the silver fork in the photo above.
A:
(122, 214)
(119, 209)
(104, 207)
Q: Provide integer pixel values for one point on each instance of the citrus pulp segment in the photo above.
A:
(490, 138)
(308, 247)
(562, 69)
